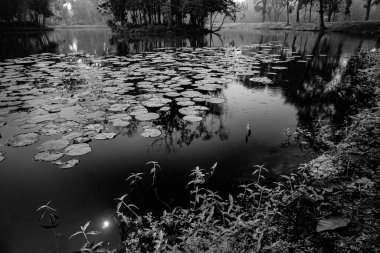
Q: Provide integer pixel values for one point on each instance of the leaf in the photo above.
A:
(85, 226)
(332, 223)
(93, 233)
(96, 245)
(75, 234)
(44, 206)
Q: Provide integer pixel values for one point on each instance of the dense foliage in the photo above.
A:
(35, 11)
(168, 12)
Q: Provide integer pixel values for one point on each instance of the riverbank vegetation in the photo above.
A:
(169, 15)
(330, 204)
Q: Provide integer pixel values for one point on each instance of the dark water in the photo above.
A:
(87, 191)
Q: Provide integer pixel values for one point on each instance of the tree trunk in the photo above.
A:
(310, 9)
(304, 15)
(298, 12)
(368, 9)
(264, 10)
(287, 13)
(321, 21)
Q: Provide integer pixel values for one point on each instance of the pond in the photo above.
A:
(97, 108)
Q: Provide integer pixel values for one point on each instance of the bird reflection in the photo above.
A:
(248, 133)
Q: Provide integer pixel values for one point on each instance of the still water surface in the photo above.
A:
(87, 191)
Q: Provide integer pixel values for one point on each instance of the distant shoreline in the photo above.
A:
(11, 29)
(80, 27)
(357, 27)
(352, 27)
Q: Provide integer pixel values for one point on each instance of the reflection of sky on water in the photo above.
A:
(74, 46)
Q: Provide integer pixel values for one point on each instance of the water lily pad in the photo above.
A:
(263, 80)
(2, 156)
(72, 135)
(68, 164)
(215, 101)
(185, 103)
(151, 133)
(21, 140)
(105, 136)
(147, 116)
(156, 102)
(332, 223)
(119, 123)
(77, 149)
(192, 118)
(53, 145)
(42, 118)
(48, 156)
(94, 127)
(118, 107)
(192, 110)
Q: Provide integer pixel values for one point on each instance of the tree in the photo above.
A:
(321, 16)
(261, 6)
(300, 5)
(368, 4)
(278, 7)
(169, 12)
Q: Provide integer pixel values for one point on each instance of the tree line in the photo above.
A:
(271, 10)
(170, 12)
(35, 11)
(39, 12)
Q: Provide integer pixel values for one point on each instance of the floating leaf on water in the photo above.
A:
(2, 156)
(53, 145)
(48, 156)
(172, 94)
(77, 149)
(192, 118)
(21, 140)
(332, 223)
(151, 133)
(164, 109)
(119, 107)
(191, 94)
(263, 80)
(138, 110)
(42, 118)
(72, 135)
(125, 117)
(119, 123)
(105, 136)
(185, 103)
(199, 99)
(68, 164)
(215, 101)
(279, 68)
(156, 102)
(54, 129)
(81, 139)
(94, 127)
(147, 116)
(193, 110)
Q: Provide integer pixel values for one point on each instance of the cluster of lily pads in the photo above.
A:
(77, 98)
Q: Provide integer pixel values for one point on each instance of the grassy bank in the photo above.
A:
(357, 27)
(331, 204)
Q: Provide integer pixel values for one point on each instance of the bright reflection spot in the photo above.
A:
(106, 224)
(74, 45)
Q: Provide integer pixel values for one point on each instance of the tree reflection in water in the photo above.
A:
(21, 44)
